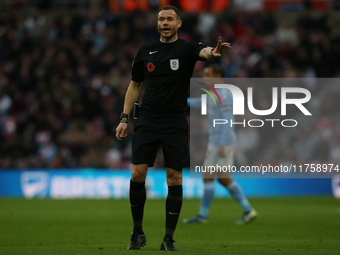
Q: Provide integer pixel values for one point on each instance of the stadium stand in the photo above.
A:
(63, 74)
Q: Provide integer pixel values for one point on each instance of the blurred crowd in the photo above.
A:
(64, 74)
(318, 143)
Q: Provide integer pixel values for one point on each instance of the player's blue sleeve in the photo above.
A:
(226, 133)
(194, 102)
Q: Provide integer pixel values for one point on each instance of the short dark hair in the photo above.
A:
(171, 7)
(216, 69)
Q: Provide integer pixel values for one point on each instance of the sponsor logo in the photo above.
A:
(153, 52)
(34, 184)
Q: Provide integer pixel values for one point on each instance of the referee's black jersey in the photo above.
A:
(166, 69)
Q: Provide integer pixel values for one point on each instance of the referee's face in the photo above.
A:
(168, 24)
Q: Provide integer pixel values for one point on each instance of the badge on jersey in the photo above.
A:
(174, 64)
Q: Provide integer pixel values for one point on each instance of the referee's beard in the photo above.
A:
(168, 37)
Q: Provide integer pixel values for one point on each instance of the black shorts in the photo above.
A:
(171, 133)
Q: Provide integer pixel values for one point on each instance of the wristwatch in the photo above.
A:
(124, 115)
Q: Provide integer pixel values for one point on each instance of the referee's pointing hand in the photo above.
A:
(220, 46)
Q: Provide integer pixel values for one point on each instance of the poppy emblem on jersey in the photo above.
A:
(151, 67)
(174, 64)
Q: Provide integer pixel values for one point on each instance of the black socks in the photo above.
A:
(137, 201)
(173, 208)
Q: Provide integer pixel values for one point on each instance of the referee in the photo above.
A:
(165, 66)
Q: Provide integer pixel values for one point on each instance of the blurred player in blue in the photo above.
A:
(222, 139)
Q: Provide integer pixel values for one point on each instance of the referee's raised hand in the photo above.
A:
(210, 53)
(220, 46)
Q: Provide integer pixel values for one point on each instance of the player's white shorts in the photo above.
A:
(212, 159)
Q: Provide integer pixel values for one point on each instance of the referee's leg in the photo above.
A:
(174, 200)
(138, 195)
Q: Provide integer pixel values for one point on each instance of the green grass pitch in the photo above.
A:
(285, 226)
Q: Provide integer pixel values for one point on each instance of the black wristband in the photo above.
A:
(124, 115)
(123, 121)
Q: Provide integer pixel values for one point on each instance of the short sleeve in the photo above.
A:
(195, 49)
(138, 74)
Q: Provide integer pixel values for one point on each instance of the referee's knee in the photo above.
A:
(173, 181)
(139, 173)
(174, 178)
